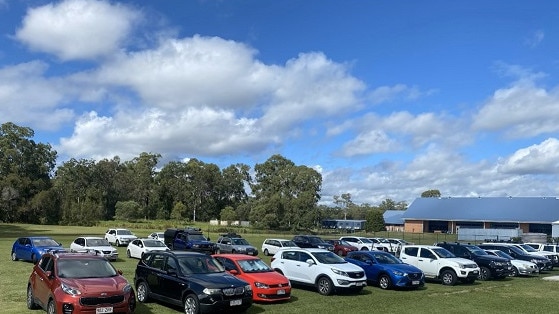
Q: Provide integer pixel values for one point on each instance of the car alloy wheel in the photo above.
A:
(325, 286)
(191, 304)
(384, 282)
(484, 273)
(142, 292)
(14, 256)
(515, 272)
(51, 307)
(128, 253)
(30, 299)
(117, 243)
(448, 277)
(266, 252)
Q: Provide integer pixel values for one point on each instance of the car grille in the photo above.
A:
(356, 274)
(414, 276)
(102, 300)
(234, 291)
(107, 252)
(470, 266)
(276, 296)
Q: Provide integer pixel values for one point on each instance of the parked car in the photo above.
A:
(543, 262)
(120, 236)
(94, 245)
(312, 241)
(267, 284)
(553, 257)
(138, 247)
(491, 267)
(234, 244)
(520, 267)
(78, 283)
(32, 248)
(383, 245)
(320, 268)
(194, 281)
(438, 263)
(361, 243)
(160, 236)
(386, 270)
(342, 247)
(272, 246)
(188, 239)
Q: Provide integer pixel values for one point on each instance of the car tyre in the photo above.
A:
(448, 277)
(340, 253)
(142, 292)
(14, 256)
(34, 258)
(325, 286)
(191, 304)
(51, 307)
(364, 248)
(266, 252)
(484, 274)
(31, 299)
(117, 243)
(384, 282)
(515, 272)
(218, 251)
(128, 254)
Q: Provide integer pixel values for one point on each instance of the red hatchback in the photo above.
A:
(73, 283)
(267, 285)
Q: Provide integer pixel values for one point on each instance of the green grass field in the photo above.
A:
(512, 295)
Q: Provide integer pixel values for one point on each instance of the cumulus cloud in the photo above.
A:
(77, 29)
(542, 158)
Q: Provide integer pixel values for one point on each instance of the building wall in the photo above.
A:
(398, 228)
(524, 227)
(413, 226)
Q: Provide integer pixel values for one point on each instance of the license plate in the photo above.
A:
(108, 309)
(415, 282)
(281, 291)
(235, 302)
(359, 284)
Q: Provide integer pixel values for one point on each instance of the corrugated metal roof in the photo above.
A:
(495, 209)
(394, 217)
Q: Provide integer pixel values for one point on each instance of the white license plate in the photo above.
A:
(281, 291)
(107, 309)
(415, 282)
(359, 284)
(235, 302)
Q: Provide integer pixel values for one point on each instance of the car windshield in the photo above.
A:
(528, 248)
(196, 237)
(381, 240)
(254, 266)
(502, 254)
(154, 243)
(342, 242)
(160, 235)
(365, 240)
(97, 242)
(443, 253)
(476, 250)
(199, 264)
(387, 259)
(123, 232)
(288, 243)
(328, 258)
(239, 241)
(85, 268)
(316, 240)
(45, 242)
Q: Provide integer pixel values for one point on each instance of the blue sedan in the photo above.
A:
(32, 248)
(386, 270)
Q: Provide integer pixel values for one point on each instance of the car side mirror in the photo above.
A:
(310, 262)
(233, 272)
(369, 262)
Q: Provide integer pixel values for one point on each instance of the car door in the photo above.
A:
(428, 262)
(135, 248)
(155, 272)
(42, 281)
(304, 271)
(170, 285)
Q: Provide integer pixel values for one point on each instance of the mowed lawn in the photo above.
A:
(511, 295)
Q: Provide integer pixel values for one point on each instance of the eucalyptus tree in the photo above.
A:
(139, 186)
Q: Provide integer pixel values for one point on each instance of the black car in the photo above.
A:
(195, 281)
(490, 266)
(543, 263)
(312, 241)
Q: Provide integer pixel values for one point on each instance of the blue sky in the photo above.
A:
(386, 99)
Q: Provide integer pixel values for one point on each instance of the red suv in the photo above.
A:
(72, 283)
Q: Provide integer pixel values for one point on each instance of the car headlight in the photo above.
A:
(261, 285)
(209, 291)
(69, 290)
(248, 288)
(127, 288)
(535, 261)
(398, 273)
(339, 272)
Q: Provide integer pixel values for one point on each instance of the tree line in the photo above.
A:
(277, 194)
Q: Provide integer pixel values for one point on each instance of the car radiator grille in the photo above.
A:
(102, 300)
(414, 276)
(356, 274)
(234, 291)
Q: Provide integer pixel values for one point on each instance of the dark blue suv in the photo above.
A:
(194, 281)
(189, 239)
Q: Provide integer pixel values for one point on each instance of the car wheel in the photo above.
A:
(384, 282)
(484, 274)
(448, 277)
(14, 256)
(364, 248)
(218, 251)
(34, 258)
(515, 272)
(325, 285)
(266, 252)
(142, 292)
(340, 253)
(233, 252)
(191, 305)
(128, 254)
(51, 307)
(31, 299)
(117, 243)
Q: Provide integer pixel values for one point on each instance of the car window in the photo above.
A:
(85, 268)
(411, 251)
(328, 258)
(290, 255)
(426, 253)
(157, 261)
(443, 253)
(287, 244)
(303, 257)
(254, 266)
(153, 243)
(239, 241)
(46, 263)
(387, 259)
(227, 263)
(44, 242)
(200, 264)
(97, 242)
(171, 264)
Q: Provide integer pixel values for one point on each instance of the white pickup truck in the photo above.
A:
(438, 263)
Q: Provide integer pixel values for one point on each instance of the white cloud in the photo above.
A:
(535, 39)
(540, 158)
(77, 29)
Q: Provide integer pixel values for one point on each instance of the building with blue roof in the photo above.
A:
(393, 220)
(446, 214)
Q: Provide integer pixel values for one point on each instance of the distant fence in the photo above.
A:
(480, 235)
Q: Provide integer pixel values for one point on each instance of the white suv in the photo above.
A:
(438, 263)
(119, 237)
(361, 243)
(320, 268)
(272, 246)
